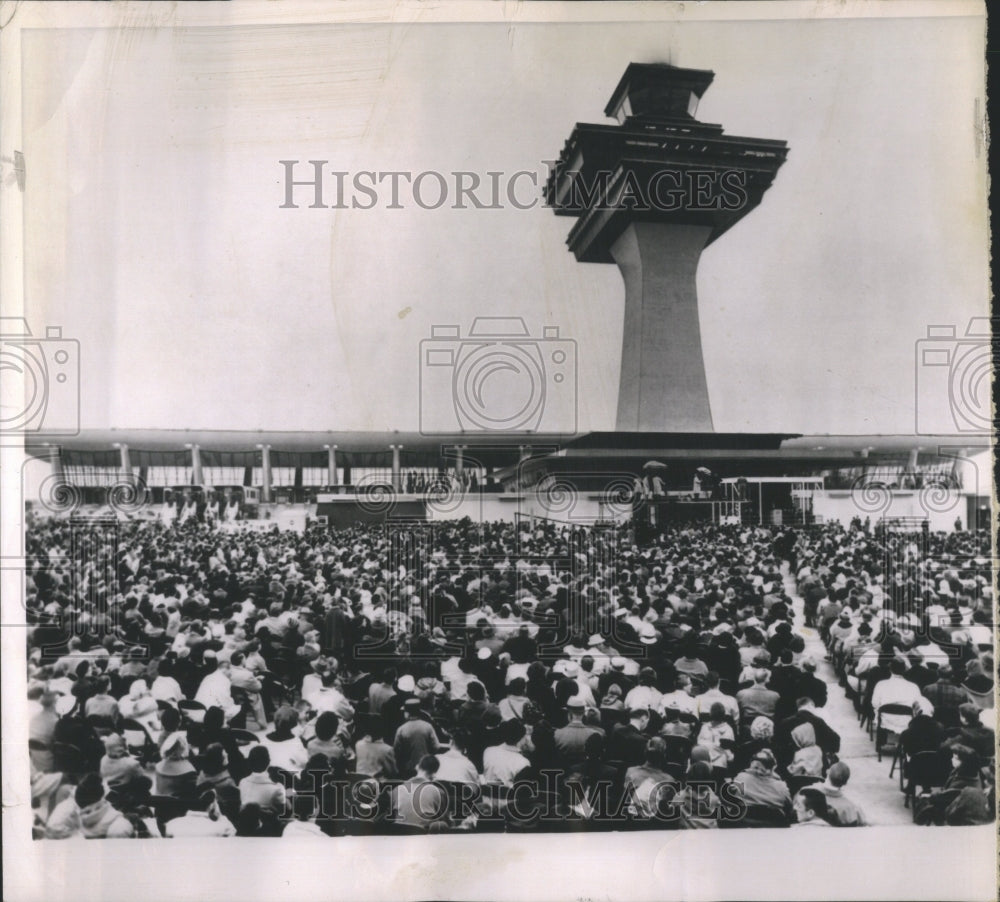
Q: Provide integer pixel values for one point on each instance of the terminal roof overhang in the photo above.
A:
(499, 449)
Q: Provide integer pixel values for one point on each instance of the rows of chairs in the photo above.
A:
(918, 772)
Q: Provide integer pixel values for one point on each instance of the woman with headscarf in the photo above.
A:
(977, 685)
(808, 760)
(175, 774)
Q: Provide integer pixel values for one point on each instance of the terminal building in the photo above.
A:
(595, 477)
(647, 193)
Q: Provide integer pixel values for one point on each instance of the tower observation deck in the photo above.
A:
(649, 194)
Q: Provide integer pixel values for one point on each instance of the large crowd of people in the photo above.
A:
(461, 676)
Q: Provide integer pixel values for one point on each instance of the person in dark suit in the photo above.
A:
(594, 788)
(628, 740)
(336, 636)
(785, 679)
(810, 685)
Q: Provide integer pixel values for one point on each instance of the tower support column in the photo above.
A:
(663, 386)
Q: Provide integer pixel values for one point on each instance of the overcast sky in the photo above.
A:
(154, 234)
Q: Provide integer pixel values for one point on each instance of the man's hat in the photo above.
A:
(576, 703)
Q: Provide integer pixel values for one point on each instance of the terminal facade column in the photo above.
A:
(125, 464)
(397, 480)
(331, 465)
(196, 471)
(55, 459)
(265, 466)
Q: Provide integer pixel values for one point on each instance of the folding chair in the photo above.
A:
(880, 731)
(758, 816)
(243, 738)
(924, 770)
(101, 724)
(167, 808)
(796, 783)
(191, 712)
(864, 711)
(690, 719)
(899, 759)
(71, 759)
(678, 749)
(610, 717)
(462, 797)
(138, 741)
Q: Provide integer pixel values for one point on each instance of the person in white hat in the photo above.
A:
(648, 634)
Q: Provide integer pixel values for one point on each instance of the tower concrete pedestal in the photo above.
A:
(663, 385)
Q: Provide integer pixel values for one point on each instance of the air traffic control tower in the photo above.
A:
(649, 194)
